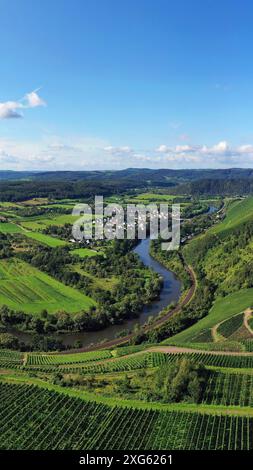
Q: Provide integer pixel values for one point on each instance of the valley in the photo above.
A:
(107, 328)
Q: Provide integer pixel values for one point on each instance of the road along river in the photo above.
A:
(170, 292)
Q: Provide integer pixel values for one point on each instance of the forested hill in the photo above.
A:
(16, 186)
(212, 187)
(15, 175)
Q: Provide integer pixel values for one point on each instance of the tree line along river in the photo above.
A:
(170, 292)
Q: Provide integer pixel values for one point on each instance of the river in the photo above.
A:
(170, 292)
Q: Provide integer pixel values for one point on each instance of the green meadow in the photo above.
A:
(45, 239)
(85, 252)
(146, 198)
(40, 223)
(167, 197)
(23, 287)
(8, 227)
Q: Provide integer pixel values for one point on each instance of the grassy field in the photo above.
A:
(158, 197)
(23, 287)
(7, 227)
(222, 309)
(45, 239)
(85, 252)
(53, 242)
(42, 222)
(148, 198)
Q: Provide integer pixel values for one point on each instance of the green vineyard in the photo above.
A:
(228, 327)
(10, 358)
(103, 361)
(248, 344)
(39, 419)
(229, 389)
(149, 360)
(55, 359)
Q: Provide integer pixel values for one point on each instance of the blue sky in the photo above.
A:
(98, 84)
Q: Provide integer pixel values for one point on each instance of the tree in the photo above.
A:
(182, 381)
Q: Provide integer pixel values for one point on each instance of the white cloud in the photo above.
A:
(8, 110)
(33, 100)
(218, 155)
(12, 109)
(90, 153)
(163, 149)
(124, 150)
(220, 148)
(183, 148)
(245, 149)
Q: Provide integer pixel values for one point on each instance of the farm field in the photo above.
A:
(132, 362)
(25, 287)
(126, 233)
(55, 359)
(13, 228)
(8, 227)
(52, 420)
(42, 222)
(153, 197)
(230, 326)
(44, 239)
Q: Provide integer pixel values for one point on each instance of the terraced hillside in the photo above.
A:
(101, 362)
(36, 413)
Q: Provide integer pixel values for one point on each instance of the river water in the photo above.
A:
(170, 292)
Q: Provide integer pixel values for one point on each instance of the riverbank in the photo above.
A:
(170, 293)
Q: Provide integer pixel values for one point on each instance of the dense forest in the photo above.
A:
(213, 187)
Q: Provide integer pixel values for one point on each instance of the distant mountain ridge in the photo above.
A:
(15, 175)
(17, 186)
(146, 173)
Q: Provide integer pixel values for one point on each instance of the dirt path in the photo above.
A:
(25, 358)
(214, 333)
(247, 316)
